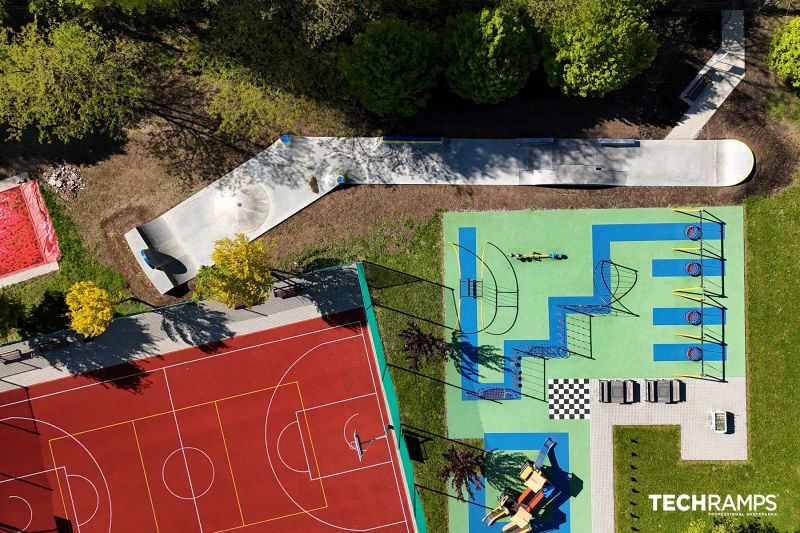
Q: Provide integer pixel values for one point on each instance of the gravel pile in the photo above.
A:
(65, 179)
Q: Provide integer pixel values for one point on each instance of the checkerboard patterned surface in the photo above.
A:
(568, 398)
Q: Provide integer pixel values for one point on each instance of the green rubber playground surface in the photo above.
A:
(631, 332)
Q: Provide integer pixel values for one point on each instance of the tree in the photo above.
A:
(241, 273)
(67, 82)
(128, 6)
(11, 312)
(392, 67)
(491, 54)
(599, 48)
(462, 469)
(90, 308)
(420, 346)
(247, 108)
(784, 53)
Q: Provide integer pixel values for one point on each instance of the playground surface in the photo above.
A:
(284, 429)
(538, 333)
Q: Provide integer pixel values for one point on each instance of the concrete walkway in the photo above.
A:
(698, 442)
(721, 74)
(283, 180)
(158, 332)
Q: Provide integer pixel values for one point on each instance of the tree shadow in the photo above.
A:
(47, 316)
(114, 358)
(501, 469)
(486, 355)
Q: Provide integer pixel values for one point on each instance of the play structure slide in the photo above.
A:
(296, 171)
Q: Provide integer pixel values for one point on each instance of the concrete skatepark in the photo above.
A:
(296, 171)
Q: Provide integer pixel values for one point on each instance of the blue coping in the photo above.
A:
(677, 267)
(559, 507)
(602, 237)
(677, 352)
(676, 316)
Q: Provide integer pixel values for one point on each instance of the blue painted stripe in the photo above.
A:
(676, 316)
(677, 352)
(557, 518)
(677, 267)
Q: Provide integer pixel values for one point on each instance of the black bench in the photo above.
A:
(288, 291)
(11, 357)
(698, 86)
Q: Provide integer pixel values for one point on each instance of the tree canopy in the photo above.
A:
(784, 53)
(491, 53)
(67, 82)
(462, 469)
(598, 47)
(90, 308)
(392, 67)
(241, 273)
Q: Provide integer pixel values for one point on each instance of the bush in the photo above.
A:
(784, 53)
(599, 49)
(90, 309)
(491, 55)
(392, 67)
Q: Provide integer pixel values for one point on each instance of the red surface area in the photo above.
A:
(256, 436)
(27, 238)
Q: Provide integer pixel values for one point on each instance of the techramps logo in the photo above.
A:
(717, 504)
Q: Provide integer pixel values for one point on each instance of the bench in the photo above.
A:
(698, 86)
(11, 357)
(288, 291)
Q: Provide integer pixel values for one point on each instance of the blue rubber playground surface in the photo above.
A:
(637, 293)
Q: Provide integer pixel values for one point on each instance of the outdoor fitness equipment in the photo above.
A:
(537, 256)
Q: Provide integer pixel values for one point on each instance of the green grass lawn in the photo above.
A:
(37, 306)
(772, 237)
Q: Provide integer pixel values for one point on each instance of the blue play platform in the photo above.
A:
(677, 352)
(676, 316)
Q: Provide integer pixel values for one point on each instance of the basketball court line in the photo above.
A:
(278, 448)
(30, 511)
(230, 465)
(72, 500)
(163, 413)
(400, 493)
(183, 451)
(326, 476)
(173, 411)
(341, 401)
(193, 361)
(96, 495)
(144, 472)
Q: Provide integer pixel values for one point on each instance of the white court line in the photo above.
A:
(30, 511)
(351, 470)
(339, 401)
(197, 360)
(272, 466)
(402, 494)
(16, 478)
(96, 495)
(85, 449)
(72, 501)
(183, 450)
(303, 443)
(278, 447)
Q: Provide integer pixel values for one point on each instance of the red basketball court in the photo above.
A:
(256, 434)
